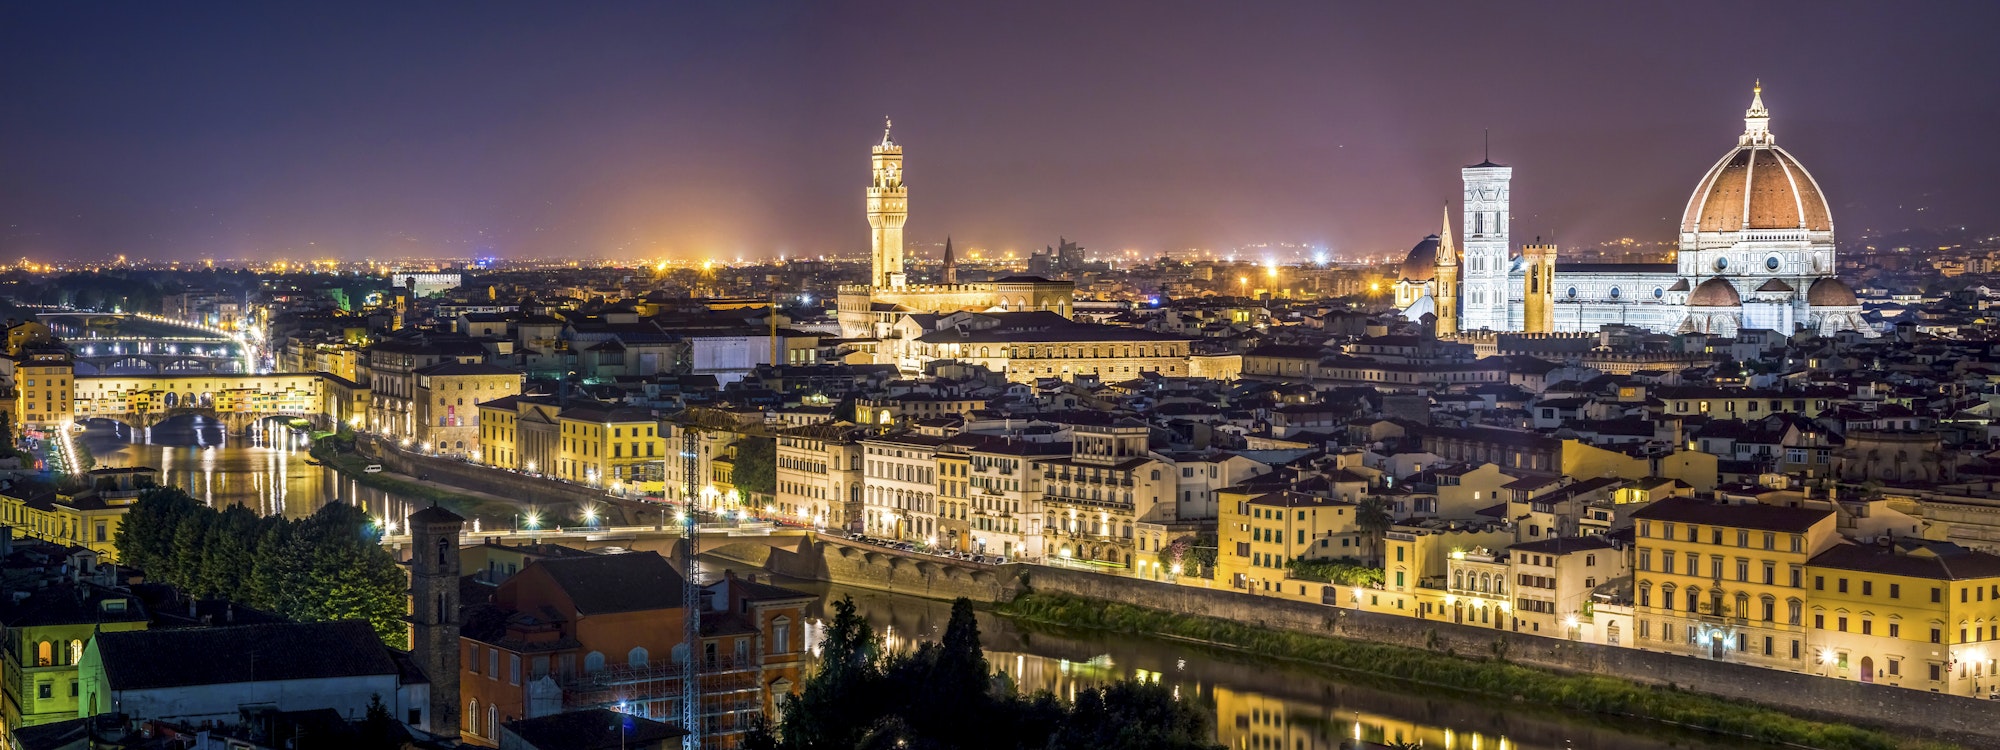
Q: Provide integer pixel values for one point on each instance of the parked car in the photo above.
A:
(372, 469)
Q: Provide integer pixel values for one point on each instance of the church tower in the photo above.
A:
(888, 208)
(950, 263)
(1538, 299)
(1486, 245)
(1446, 281)
(434, 618)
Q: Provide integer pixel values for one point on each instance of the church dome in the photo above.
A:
(1831, 292)
(1757, 186)
(1715, 292)
(1421, 263)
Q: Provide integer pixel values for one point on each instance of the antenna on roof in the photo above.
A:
(1489, 143)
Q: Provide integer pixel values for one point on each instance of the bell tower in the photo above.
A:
(434, 611)
(1446, 280)
(1487, 188)
(888, 208)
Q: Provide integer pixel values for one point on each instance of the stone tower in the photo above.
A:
(434, 617)
(1538, 298)
(888, 208)
(1486, 248)
(950, 263)
(1446, 280)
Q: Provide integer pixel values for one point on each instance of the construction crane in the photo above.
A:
(691, 598)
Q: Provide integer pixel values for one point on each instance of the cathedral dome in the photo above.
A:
(1421, 263)
(1831, 292)
(1715, 292)
(1757, 186)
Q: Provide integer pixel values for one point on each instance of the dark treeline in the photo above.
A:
(330, 566)
(943, 695)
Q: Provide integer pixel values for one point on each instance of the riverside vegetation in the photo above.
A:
(944, 695)
(1492, 677)
(330, 566)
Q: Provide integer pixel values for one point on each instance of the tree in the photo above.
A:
(939, 697)
(756, 465)
(1374, 518)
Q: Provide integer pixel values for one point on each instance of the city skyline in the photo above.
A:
(625, 131)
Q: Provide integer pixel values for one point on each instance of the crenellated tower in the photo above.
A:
(1538, 298)
(1446, 281)
(888, 208)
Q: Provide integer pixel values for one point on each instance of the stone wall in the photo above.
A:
(855, 563)
(1964, 720)
(528, 490)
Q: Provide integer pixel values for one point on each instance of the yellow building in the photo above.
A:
(45, 389)
(618, 448)
(1416, 564)
(45, 638)
(1258, 532)
(88, 519)
(446, 398)
(1910, 613)
(1727, 582)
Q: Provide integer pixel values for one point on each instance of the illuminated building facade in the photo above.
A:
(1756, 251)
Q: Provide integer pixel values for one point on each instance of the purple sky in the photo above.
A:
(296, 130)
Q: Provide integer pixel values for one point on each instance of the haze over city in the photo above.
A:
(630, 130)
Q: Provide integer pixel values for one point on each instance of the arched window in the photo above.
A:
(472, 716)
(444, 549)
(75, 651)
(492, 720)
(636, 657)
(45, 654)
(1458, 579)
(593, 663)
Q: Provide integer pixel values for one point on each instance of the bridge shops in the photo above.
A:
(238, 401)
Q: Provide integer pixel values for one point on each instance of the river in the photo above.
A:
(267, 472)
(1257, 704)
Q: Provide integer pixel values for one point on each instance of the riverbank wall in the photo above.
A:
(541, 492)
(1965, 721)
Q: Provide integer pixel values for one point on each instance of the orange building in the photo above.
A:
(605, 631)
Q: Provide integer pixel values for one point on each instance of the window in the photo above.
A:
(1819, 583)
(44, 690)
(493, 663)
(1819, 622)
(513, 669)
(781, 636)
(1895, 630)
(593, 663)
(1895, 591)
(1867, 588)
(637, 657)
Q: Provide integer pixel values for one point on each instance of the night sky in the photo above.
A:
(307, 130)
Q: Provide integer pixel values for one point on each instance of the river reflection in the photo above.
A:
(1257, 704)
(269, 472)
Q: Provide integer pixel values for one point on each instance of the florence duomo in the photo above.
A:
(1755, 251)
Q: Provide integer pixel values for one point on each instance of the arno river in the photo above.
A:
(1258, 704)
(267, 473)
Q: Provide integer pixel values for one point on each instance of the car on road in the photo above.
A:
(372, 469)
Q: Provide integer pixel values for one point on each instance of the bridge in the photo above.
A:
(719, 538)
(240, 402)
(117, 344)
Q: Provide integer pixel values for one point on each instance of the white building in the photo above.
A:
(1756, 251)
(194, 675)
